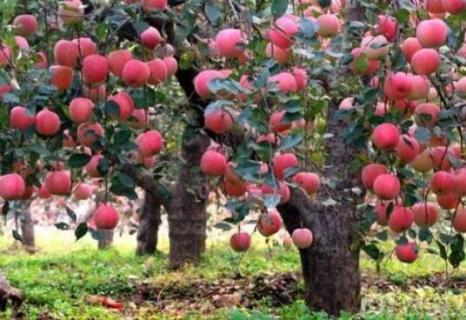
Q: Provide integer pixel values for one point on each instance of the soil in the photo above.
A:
(273, 290)
(276, 289)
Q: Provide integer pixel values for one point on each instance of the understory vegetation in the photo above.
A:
(59, 279)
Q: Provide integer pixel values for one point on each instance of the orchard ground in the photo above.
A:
(59, 279)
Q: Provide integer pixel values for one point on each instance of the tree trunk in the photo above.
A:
(107, 239)
(149, 222)
(187, 216)
(331, 265)
(9, 293)
(27, 225)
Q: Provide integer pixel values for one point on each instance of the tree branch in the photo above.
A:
(161, 193)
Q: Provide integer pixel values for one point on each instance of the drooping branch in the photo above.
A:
(161, 192)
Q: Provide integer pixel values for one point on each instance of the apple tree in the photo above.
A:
(343, 119)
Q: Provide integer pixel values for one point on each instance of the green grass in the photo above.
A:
(59, 282)
(57, 279)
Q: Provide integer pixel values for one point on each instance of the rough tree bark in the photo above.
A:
(149, 222)
(157, 195)
(26, 224)
(331, 265)
(187, 218)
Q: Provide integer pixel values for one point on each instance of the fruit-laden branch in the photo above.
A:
(185, 78)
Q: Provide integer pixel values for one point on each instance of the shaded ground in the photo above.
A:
(238, 291)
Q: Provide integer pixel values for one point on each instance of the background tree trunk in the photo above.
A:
(26, 224)
(331, 265)
(187, 217)
(149, 222)
(107, 239)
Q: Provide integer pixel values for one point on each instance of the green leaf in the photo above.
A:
(425, 234)
(71, 214)
(290, 117)
(140, 26)
(446, 238)
(402, 16)
(361, 63)
(62, 226)
(389, 209)
(112, 109)
(366, 216)
(122, 136)
(382, 235)
(373, 252)
(217, 105)
(262, 78)
(81, 230)
(103, 166)
(10, 98)
(446, 118)
(289, 172)
(4, 117)
(101, 31)
(346, 59)
(290, 141)
(456, 251)
(398, 60)
(123, 185)
(279, 8)
(39, 149)
(325, 3)
(223, 226)
(17, 236)
(96, 234)
(248, 170)
(442, 250)
(402, 240)
(378, 45)
(126, 180)
(8, 9)
(239, 210)
(293, 105)
(213, 13)
(228, 85)
(79, 160)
